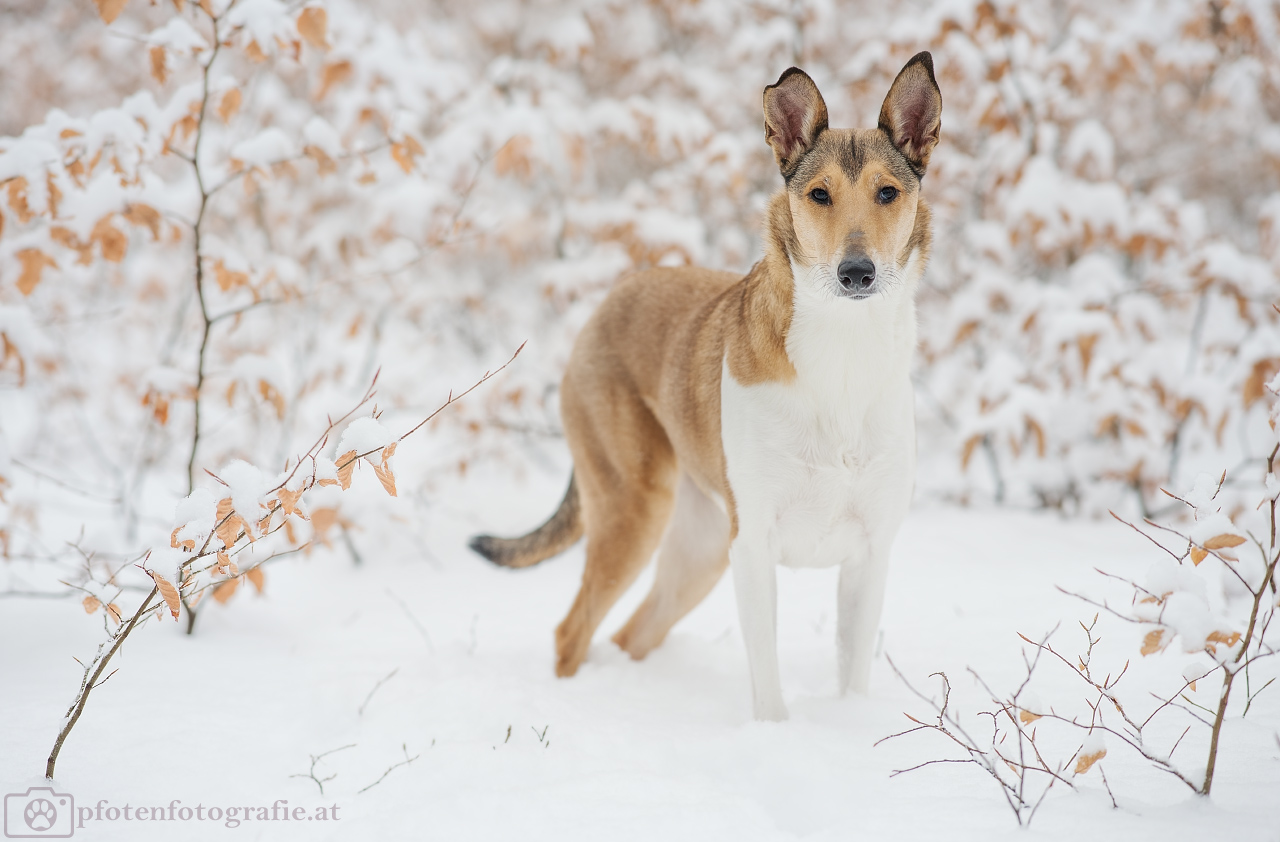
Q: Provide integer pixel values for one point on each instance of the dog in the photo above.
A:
(745, 422)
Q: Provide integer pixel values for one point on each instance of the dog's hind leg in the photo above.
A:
(627, 474)
(692, 558)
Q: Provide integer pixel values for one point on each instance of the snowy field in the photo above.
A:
(661, 749)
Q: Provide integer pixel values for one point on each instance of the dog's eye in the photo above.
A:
(820, 196)
(887, 195)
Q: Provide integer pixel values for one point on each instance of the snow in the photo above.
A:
(363, 435)
(631, 750)
(268, 147)
(247, 485)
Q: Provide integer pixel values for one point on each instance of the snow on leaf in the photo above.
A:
(1152, 642)
(1086, 758)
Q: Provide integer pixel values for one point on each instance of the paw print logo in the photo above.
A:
(40, 814)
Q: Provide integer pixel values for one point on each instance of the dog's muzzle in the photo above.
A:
(857, 277)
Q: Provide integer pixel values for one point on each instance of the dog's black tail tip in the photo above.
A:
(489, 547)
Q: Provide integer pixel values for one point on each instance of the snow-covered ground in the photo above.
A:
(660, 749)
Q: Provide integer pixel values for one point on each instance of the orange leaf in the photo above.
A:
(254, 575)
(313, 24)
(1027, 717)
(346, 467)
(1197, 555)
(967, 453)
(113, 611)
(1255, 384)
(334, 74)
(1226, 639)
(109, 10)
(1152, 642)
(272, 396)
(139, 214)
(254, 52)
(405, 152)
(229, 105)
(1086, 761)
(158, 70)
(225, 590)
(168, 591)
(91, 603)
(1220, 542)
(224, 561)
(228, 280)
(289, 501)
(18, 199)
(323, 162)
(33, 263)
(383, 471)
(110, 238)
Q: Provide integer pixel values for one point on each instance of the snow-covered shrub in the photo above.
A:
(1205, 608)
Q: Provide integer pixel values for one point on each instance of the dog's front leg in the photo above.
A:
(756, 586)
(858, 607)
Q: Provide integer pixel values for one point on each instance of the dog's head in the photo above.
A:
(854, 194)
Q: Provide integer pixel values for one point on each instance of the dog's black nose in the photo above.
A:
(857, 274)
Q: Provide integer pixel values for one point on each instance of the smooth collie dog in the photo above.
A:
(753, 421)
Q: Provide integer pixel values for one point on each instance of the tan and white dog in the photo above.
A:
(760, 420)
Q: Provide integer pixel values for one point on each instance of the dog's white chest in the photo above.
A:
(823, 465)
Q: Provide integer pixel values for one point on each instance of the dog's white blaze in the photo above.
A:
(822, 468)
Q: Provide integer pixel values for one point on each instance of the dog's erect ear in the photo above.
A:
(912, 112)
(794, 116)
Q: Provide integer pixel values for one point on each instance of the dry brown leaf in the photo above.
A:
(54, 194)
(1227, 639)
(333, 74)
(140, 214)
(168, 591)
(324, 163)
(254, 575)
(230, 523)
(110, 238)
(1220, 542)
(1152, 642)
(1086, 343)
(190, 543)
(33, 262)
(289, 501)
(224, 561)
(1038, 432)
(226, 590)
(91, 603)
(158, 70)
(386, 477)
(1086, 761)
(229, 105)
(272, 396)
(227, 279)
(346, 467)
(113, 611)
(322, 520)
(109, 10)
(1197, 555)
(1027, 717)
(405, 152)
(18, 199)
(313, 24)
(1255, 387)
(254, 52)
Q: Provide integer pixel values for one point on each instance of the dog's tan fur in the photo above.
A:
(641, 395)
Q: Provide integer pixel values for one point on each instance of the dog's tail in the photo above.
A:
(561, 531)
